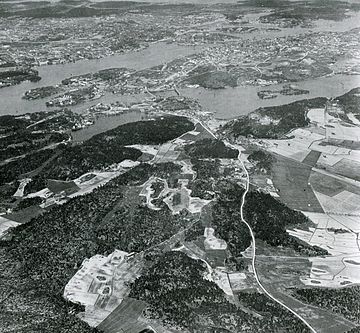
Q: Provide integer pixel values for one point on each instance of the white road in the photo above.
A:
(253, 259)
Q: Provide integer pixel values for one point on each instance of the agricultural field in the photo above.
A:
(5, 225)
(291, 179)
(131, 207)
(314, 169)
(100, 285)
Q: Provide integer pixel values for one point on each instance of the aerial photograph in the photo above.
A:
(179, 166)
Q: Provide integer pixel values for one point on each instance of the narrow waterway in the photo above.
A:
(106, 123)
(224, 103)
(232, 102)
(11, 101)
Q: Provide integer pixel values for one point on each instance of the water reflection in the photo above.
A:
(105, 123)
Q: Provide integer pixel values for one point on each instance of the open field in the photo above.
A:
(212, 242)
(297, 146)
(125, 317)
(311, 158)
(322, 320)
(199, 133)
(332, 186)
(347, 168)
(336, 155)
(334, 243)
(101, 285)
(338, 234)
(282, 272)
(335, 271)
(336, 195)
(279, 274)
(6, 224)
(238, 281)
(335, 221)
(20, 191)
(292, 181)
(89, 181)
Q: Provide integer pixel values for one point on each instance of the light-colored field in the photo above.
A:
(197, 204)
(334, 127)
(167, 153)
(101, 284)
(238, 281)
(330, 241)
(335, 271)
(316, 116)
(343, 203)
(199, 133)
(186, 168)
(147, 149)
(212, 242)
(148, 192)
(184, 199)
(327, 221)
(352, 117)
(84, 184)
(6, 224)
(221, 278)
(340, 132)
(20, 191)
(88, 184)
(127, 164)
(44, 193)
(296, 148)
(324, 139)
(338, 234)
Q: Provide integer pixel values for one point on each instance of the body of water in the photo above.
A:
(224, 103)
(232, 102)
(11, 101)
(106, 123)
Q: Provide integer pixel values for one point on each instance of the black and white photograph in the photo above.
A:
(179, 166)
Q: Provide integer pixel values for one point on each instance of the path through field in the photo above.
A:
(253, 261)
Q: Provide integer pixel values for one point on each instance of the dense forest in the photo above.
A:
(344, 301)
(261, 159)
(12, 170)
(45, 253)
(283, 118)
(179, 295)
(71, 161)
(108, 148)
(272, 311)
(207, 174)
(24, 142)
(213, 79)
(268, 218)
(210, 148)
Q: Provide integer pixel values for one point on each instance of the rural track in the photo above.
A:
(253, 259)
